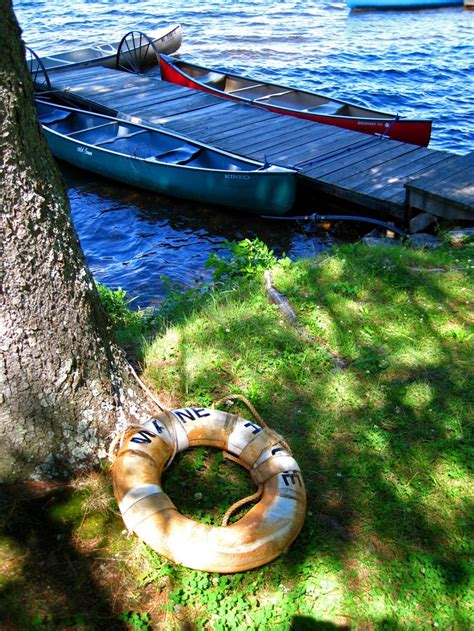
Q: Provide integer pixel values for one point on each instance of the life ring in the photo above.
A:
(261, 535)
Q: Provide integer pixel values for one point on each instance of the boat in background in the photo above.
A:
(401, 4)
(133, 46)
(295, 102)
(164, 162)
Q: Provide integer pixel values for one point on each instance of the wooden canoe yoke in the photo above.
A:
(261, 535)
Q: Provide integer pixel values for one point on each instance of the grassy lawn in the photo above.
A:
(373, 390)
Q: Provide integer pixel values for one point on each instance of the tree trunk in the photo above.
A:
(65, 385)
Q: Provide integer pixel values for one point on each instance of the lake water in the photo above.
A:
(417, 63)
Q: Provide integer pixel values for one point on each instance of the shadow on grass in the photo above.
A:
(52, 585)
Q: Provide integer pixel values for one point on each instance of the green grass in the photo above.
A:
(131, 328)
(384, 444)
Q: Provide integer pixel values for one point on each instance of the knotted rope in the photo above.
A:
(257, 495)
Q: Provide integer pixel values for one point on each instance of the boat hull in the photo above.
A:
(247, 192)
(411, 131)
(401, 4)
(166, 40)
(254, 188)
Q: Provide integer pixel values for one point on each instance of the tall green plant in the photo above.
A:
(130, 326)
(246, 259)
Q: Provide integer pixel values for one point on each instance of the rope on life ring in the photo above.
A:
(255, 496)
(261, 535)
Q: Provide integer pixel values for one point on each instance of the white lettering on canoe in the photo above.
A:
(84, 150)
(233, 176)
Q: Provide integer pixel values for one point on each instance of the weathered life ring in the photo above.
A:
(261, 535)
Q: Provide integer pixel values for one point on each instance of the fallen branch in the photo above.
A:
(287, 310)
(280, 300)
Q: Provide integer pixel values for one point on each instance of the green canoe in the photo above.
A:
(164, 162)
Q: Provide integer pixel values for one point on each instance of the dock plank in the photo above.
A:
(437, 160)
(398, 191)
(446, 189)
(227, 122)
(170, 109)
(144, 99)
(460, 169)
(285, 138)
(285, 146)
(249, 141)
(449, 207)
(364, 150)
(399, 164)
(68, 74)
(151, 96)
(162, 117)
(466, 194)
(186, 100)
(460, 187)
(262, 127)
(70, 81)
(95, 87)
(357, 159)
(298, 154)
(93, 92)
(389, 184)
(350, 166)
(370, 202)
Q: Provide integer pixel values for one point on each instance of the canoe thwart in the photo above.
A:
(247, 87)
(272, 96)
(94, 127)
(108, 141)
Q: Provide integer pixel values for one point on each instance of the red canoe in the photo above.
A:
(293, 102)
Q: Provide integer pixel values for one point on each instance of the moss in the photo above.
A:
(69, 511)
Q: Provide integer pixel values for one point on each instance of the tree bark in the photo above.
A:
(65, 386)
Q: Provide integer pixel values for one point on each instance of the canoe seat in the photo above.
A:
(54, 117)
(180, 155)
(118, 137)
(332, 107)
(212, 78)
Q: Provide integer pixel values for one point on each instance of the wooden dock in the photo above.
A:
(444, 187)
(349, 167)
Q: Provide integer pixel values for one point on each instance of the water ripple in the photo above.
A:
(416, 63)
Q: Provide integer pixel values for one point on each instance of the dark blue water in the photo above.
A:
(416, 63)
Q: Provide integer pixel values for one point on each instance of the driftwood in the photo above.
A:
(287, 311)
(280, 300)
